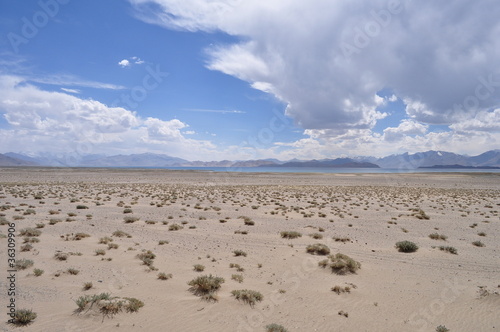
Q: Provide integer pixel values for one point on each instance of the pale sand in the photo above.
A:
(394, 291)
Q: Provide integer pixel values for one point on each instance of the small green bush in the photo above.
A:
(436, 236)
(240, 253)
(237, 277)
(164, 276)
(340, 264)
(22, 264)
(198, 267)
(449, 249)
(119, 233)
(275, 328)
(205, 286)
(248, 296)
(175, 227)
(24, 317)
(290, 234)
(38, 272)
(406, 246)
(318, 249)
(130, 220)
(30, 232)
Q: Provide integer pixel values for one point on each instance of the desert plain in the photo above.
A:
(145, 234)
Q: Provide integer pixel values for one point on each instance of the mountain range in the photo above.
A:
(429, 159)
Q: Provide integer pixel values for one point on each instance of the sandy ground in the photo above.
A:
(392, 291)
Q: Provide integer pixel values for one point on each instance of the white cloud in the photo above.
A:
(137, 60)
(436, 56)
(41, 121)
(124, 63)
(76, 91)
(204, 110)
(70, 80)
(483, 121)
(405, 128)
(132, 60)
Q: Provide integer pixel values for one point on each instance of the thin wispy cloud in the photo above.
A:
(70, 80)
(71, 90)
(214, 111)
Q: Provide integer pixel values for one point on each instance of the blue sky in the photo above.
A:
(229, 79)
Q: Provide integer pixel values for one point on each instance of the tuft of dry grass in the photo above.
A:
(248, 296)
(318, 249)
(206, 286)
(340, 264)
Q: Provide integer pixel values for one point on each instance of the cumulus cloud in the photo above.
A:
(128, 62)
(406, 127)
(124, 63)
(40, 121)
(327, 60)
(483, 121)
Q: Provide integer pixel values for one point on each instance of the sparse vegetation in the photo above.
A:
(175, 227)
(198, 267)
(318, 249)
(130, 220)
(237, 277)
(316, 236)
(406, 246)
(478, 243)
(108, 306)
(119, 233)
(61, 256)
(449, 249)
(340, 264)
(37, 272)
(248, 296)
(23, 264)
(339, 289)
(240, 253)
(30, 232)
(24, 317)
(164, 276)
(275, 328)
(436, 236)
(206, 286)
